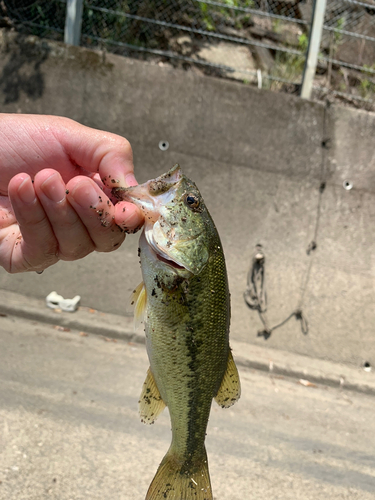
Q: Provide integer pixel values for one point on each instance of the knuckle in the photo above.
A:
(41, 261)
(125, 147)
(110, 246)
(76, 253)
(125, 144)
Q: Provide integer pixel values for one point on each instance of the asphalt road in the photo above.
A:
(69, 428)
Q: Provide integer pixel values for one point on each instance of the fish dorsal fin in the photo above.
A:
(138, 300)
(230, 389)
(151, 403)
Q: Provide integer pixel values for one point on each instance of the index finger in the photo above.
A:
(97, 151)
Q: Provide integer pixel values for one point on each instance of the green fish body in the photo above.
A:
(185, 304)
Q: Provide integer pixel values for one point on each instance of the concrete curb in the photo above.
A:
(308, 371)
(84, 319)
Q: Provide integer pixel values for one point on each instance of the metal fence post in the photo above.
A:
(73, 22)
(313, 48)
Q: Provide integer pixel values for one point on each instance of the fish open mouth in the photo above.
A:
(161, 255)
(171, 263)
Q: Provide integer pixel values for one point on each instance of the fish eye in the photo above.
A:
(192, 201)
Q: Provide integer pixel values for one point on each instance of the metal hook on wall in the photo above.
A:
(255, 295)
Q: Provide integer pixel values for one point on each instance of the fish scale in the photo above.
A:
(193, 330)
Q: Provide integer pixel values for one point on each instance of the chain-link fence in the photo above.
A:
(347, 60)
(44, 18)
(261, 42)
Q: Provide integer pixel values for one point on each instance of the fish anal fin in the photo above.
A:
(151, 403)
(176, 480)
(230, 388)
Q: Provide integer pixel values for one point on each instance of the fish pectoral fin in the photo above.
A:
(151, 403)
(230, 389)
(138, 300)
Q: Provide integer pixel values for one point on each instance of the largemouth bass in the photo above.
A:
(184, 299)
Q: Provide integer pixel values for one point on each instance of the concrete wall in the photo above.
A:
(270, 166)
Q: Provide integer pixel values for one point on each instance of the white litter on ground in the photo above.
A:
(55, 301)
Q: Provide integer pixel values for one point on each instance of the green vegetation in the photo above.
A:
(112, 26)
(336, 34)
(303, 42)
(115, 25)
(276, 25)
(289, 66)
(214, 15)
(336, 37)
(42, 18)
(367, 85)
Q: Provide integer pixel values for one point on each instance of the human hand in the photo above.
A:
(55, 182)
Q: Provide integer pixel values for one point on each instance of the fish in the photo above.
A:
(184, 302)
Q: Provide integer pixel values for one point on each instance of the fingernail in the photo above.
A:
(130, 180)
(85, 195)
(26, 191)
(133, 221)
(54, 188)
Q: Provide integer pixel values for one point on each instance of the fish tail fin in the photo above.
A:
(176, 480)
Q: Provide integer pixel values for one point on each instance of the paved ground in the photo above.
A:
(69, 428)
